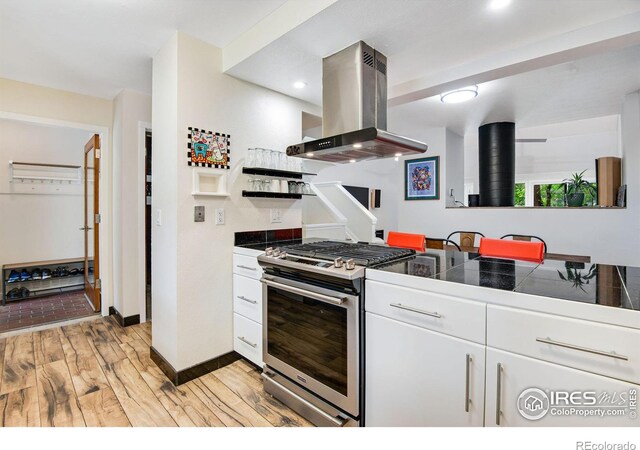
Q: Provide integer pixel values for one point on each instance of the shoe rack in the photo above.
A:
(70, 277)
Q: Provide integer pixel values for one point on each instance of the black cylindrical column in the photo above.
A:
(497, 163)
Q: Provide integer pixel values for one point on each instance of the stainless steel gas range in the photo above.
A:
(312, 326)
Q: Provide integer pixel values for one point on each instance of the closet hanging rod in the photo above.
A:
(64, 166)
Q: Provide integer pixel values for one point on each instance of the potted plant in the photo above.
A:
(576, 187)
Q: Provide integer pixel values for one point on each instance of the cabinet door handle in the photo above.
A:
(582, 349)
(242, 297)
(415, 310)
(467, 397)
(247, 267)
(499, 394)
(243, 339)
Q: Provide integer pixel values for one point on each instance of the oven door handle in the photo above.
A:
(323, 298)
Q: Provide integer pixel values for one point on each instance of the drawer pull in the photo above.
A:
(498, 393)
(242, 297)
(415, 310)
(247, 267)
(242, 338)
(582, 349)
(467, 397)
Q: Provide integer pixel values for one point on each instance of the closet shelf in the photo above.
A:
(24, 171)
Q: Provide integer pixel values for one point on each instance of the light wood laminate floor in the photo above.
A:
(96, 373)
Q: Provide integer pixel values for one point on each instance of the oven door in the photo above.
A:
(310, 335)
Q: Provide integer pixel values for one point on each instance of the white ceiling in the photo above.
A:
(590, 87)
(417, 36)
(99, 47)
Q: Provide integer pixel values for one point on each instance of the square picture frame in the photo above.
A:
(422, 178)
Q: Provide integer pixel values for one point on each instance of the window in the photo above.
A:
(520, 194)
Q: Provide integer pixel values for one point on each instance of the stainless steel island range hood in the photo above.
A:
(354, 111)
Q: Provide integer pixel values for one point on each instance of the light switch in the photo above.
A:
(276, 216)
(198, 214)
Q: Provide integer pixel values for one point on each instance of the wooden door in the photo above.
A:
(92, 221)
(420, 378)
(515, 374)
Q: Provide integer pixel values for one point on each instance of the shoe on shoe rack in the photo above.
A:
(24, 292)
(55, 273)
(75, 271)
(46, 274)
(64, 271)
(13, 294)
(14, 276)
(36, 274)
(25, 275)
(90, 269)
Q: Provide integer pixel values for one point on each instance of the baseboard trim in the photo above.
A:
(124, 321)
(193, 372)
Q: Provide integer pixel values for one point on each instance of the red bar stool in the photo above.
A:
(406, 240)
(499, 248)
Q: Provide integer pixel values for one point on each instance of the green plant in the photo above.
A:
(577, 184)
(575, 276)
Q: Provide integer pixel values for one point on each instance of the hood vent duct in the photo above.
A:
(354, 111)
(497, 163)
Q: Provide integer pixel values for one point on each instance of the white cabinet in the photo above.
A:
(247, 307)
(417, 377)
(508, 375)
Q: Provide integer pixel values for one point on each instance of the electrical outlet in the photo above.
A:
(198, 214)
(219, 216)
(276, 216)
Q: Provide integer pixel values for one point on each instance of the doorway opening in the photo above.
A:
(44, 265)
(148, 217)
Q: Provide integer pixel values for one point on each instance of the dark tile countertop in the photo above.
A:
(599, 284)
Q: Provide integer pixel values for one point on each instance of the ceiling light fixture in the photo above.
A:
(397, 154)
(357, 145)
(460, 95)
(299, 84)
(499, 4)
(310, 154)
(352, 160)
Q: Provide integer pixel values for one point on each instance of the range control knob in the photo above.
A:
(283, 255)
(338, 262)
(350, 264)
(269, 251)
(276, 253)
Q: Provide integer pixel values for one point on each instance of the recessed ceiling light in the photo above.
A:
(398, 154)
(459, 95)
(357, 145)
(499, 4)
(310, 154)
(299, 84)
(352, 160)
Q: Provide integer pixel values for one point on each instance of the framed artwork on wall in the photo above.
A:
(422, 179)
(208, 149)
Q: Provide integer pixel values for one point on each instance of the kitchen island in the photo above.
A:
(494, 342)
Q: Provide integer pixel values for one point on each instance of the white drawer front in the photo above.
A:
(247, 338)
(449, 315)
(598, 348)
(247, 266)
(247, 297)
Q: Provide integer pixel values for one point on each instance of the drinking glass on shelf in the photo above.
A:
(291, 163)
(251, 158)
(266, 185)
(283, 160)
(259, 157)
(275, 185)
(300, 189)
(292, 187)
(273, 159)
(306, 189)
(284, 186)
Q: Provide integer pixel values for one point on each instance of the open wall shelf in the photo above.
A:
(275, 173)
(263, 194)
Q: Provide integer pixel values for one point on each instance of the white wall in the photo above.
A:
(40, 221)
(192, 261)
(130, 110)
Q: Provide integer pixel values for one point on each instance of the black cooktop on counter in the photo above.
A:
(601, 284)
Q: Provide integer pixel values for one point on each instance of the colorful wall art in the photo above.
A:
(208, 149)
(422, 178)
